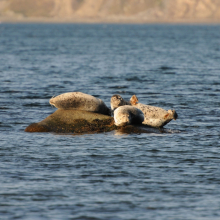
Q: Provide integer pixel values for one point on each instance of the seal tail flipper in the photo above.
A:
(52, 105)
(134, 100)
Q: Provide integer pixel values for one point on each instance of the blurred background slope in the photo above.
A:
(110, 10)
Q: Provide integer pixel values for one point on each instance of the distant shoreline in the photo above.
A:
(107, 21)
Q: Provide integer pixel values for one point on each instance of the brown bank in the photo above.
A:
(81, 122)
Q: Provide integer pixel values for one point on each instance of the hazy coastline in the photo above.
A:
(110, 11)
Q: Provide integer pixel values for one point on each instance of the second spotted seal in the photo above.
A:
(154, 116)
(80, 101)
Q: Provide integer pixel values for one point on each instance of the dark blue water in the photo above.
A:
(111, 175)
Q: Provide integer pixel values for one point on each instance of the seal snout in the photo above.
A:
(124, 120)
(175, 115)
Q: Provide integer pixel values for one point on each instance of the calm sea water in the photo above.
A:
(111, 175)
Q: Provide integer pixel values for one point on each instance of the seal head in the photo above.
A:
(172, 114)
(126, 115)
(116, 101)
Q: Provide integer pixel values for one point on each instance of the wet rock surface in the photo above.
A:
(73, 121)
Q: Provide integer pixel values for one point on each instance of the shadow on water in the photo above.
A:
(143, 129)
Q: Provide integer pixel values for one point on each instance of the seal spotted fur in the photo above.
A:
(154, 116)
(80, 101)
(126, 115)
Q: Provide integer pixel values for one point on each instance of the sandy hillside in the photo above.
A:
(110, 10)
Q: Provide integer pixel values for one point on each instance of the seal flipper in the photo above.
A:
(134, 100)
(166, 116)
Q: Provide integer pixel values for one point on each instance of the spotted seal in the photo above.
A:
(126, 114)
(80, 101)
(154, 116)
(116, 101)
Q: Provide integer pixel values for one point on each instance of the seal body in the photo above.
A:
(116, 101)
(80, 101)
(125, 115)
(154, 116)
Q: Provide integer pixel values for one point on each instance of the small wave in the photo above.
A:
(34, 104)
(3, 125)
(166, 68)
(118, 87)
(10, 91)
(171, 131)
(135, 78)
(170, 73)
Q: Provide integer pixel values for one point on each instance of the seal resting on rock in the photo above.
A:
(154, 116)
(126, 115)
(116, 101)
(80, 101)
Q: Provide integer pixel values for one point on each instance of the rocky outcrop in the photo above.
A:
(111, 10)
(73, 121)
(80, 122)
